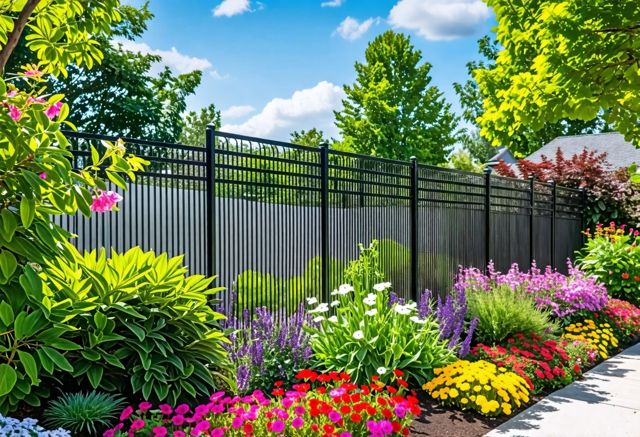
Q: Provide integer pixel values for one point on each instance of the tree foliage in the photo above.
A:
(195, 126)
(392, 110)
(562, 60)
(312, 137)
(121, 96)
(524, 140)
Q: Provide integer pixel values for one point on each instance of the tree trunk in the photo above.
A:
(14, 36)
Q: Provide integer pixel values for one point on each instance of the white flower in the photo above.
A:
(402, 309)
(417, 319)
(361, 324)
(370, 299)
(334, 292)
(312, 300)
(333, 319)
(335, 303)
(318, 319)
(382, 286)
(381, 370)
(358, 335)
(371, 312)
(322, 308)
(345, 289)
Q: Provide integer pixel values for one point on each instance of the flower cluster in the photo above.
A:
(561, 294)
(542, 363)
(105, 201)
(481, 386)
(27, 427)
(319, 404)
(625, 315)
(273, 346)
(600, 335)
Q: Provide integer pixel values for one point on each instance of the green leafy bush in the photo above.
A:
(370, 335)
(503, 312)
(612, 255)
(37, 182)
(84, 413)
(146, 329)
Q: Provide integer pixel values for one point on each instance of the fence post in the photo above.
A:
(487, 215)
(415, 294)
(324, 220)
(532, 214)
(552, 184)
(210, 202)
(583, 211)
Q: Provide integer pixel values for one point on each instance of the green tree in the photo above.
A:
(462, 160)
(392, 110)
(193, 133)
(562, 60)
(312, 137)
(62, 31)
(525, 139)
(120, 96)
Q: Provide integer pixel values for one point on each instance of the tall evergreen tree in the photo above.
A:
(392, 110)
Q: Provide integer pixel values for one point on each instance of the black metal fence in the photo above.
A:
(277, 222)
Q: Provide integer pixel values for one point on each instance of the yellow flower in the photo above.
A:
(453, 393)
(464, 401)
(477, 388)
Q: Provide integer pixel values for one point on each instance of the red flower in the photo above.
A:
(345, 409)
(397, 426)
(577, 369)
(398, 373)
(356, 418)
(538, 373)
(382, 402)
(402, 383)
(387, 413)
(278, 392)
(278, 383)
(328, 428)
(247, 428)
(625, 275)
(307, 374)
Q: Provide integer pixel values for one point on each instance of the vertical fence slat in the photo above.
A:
(532, 215)
(552, 240)
(210, 199)
(414, 292)
(487, 215)
(324, 220)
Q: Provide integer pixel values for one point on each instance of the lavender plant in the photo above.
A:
(450, 313)
(270, 347)
(563, 295)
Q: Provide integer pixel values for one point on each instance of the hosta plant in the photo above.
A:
(145, 327)
(612, 255)
(481, 386)
(37, 182)
(83, 413)
(326, 404)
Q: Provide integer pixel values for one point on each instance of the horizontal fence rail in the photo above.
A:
(279, 222)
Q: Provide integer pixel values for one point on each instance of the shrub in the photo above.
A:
(273, 346)
(599, 335)
(563, 295)
(503, 312)
(479, 386)
(625, 315)
(612, 255)
(323, 404)
(83, 413)
(543, 363)
(146, 329)
(38, 183)
(27, 427)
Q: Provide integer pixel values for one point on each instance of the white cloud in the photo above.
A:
(239, 111)
(439, 20)
(307, 108)
(178, 62)
(229, 8)
(351, 29)
(332, 4)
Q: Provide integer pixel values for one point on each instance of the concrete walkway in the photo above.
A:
(606, 403)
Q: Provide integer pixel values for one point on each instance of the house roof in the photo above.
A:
(620, 153)
(503, 154)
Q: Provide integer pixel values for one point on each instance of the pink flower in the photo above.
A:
(103, 202)
(297, 422)
(36, 100)
(237, 422)
(299, 410)
(277, 426)
(33, 73)
(182, 408)
(126, 413)
(43, 175)
(217, 432)
(12, 93)
(108, 433)
(166, 409)
(14, 112)
(137, 424)
(200, 428)
(178, 434)
(345, 434)
(145, 406)
(178, 419)
(334, 416)
(159, 431)
(53, 110)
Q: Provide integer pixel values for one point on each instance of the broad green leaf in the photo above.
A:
(27, 211)
(6, 313)
(58, 359)
(29, 365)
(8, 378)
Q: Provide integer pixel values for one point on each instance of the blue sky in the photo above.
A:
(275, 66)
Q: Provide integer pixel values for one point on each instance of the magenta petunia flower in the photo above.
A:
(179, 434)
(137, 424)
(166, 409)
(159, 431)
(178, 419)
(297, 422)
(334, 416)
(126, 413)
(33, 73)
(278, 426)
(104, 202)
(182, 408)
(299, 410)
(145, 406)
(43, 175)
